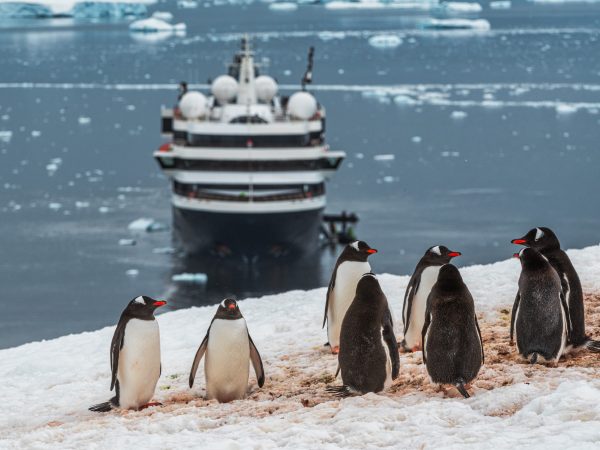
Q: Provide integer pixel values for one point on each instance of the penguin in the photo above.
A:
(368, 357)
(349, 267)
(229, 348)
(417, 291)
(452, 344)
(134, 357)
(545, 241)
(539, 317)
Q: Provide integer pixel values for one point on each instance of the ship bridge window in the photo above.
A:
(256, 165)
(248, 119)
(212, 140)
(247, 193)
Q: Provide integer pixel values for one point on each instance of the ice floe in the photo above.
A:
(132, 273)
(457, 24)
(385, 41)
(384, 157)
(458, 8)
(566, 108)
(154, 25)
(458, 115)
(84, 120)
(146, 224)
(283, 6)
(163, 15)
(127, 242)
(198, 278)
(501, 4)
(423, 5)
(5, 136)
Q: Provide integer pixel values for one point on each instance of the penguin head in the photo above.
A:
(440, 254)
(449, 278)
(368, 286)
(143, 306)
(530, 257)
(228, 309)
(541, 238)
(357, 251)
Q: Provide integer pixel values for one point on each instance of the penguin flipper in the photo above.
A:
(256, 363)
(329, 292)
(460, 385)
(480, 340)
(198, 358)
(115, 349)
(424, 332)
(513, 314)
(409, 295)
(392, 344)
(569, 324)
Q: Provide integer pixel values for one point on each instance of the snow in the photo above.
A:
(48, 386)
(385, 41)
(75, 8)
(154, 25)
(457, 24)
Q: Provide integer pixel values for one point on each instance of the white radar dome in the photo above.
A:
(266, 88)
(193, 105)
(224, 88)
(302, 105)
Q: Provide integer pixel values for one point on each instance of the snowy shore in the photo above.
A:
(49, 385)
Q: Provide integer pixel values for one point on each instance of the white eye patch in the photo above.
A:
(538, 234)
(436, 250)
(223, 304)
(140, 299)
(354, 245)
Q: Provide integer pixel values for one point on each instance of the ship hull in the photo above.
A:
(247, 234)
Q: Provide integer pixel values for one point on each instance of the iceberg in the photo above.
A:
(163, 15)
(385, 41)
(154, 25)
(283, 6)
(501, 4)
(199, 278)
(457, 24)
(80, 9)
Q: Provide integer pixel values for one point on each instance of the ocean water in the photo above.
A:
(492, 133)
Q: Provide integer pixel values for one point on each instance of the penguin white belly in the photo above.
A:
(347, 277)
(227, 364)
(414, 331)
(139, 363)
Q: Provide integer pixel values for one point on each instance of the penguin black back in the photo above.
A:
(545, 241)
(539, 315)
(368, 355)
(452, 349)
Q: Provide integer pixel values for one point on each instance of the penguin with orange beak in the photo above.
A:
(134, 356)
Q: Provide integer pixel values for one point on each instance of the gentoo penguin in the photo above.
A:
(417, 291)
(134, 356)
(453, 349)
(349, 267)
(545, 241)
(540, 314)
(368, 357)
(229, 348)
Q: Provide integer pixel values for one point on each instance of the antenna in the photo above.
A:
(307, 78)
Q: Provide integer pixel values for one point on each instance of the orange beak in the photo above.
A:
(159, 303)
(371, 251)
(519, 241)
(454, 254)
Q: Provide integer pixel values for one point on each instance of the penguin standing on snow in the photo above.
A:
(368, 357)
(545, 241)
(417, 291)
(452, 345)
(134, 357)
(229, 348)
(540, 314)
(349, 267)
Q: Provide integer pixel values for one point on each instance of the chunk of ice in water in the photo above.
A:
(5, 136)
(146, 224)
(126, 242)
(84, 120)
(501, 4)
(458, 115)
(199, 278)
(416, 139)
(163, 15)
(55, 206)
(283, 6)
(163, 250)
(385, 157)
(385, 41)
(103, 209)
(565, 108)
(132, 273)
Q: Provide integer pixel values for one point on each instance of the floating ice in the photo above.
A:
(416, 139)
(154, 25)
(74, 8)
(329, 35)
(132, 273)
(388, 179)
(454, 8)
(385, 157)
(5, 136)
(51, 168)
(84, 120)
(283, 6)
(163, 15)
(187, 4)
(163, 250)
(501, 4)
(80, 204)
(127, 242)
(404, 100)
(199, 278)
(54, 206)
(36, 133)
(385, 41)
(146, 224)
(458, 115)
(424, 5)
(457, 24)
(566, 108)
(104, 209)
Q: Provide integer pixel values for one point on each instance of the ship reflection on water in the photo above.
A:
(240, 277)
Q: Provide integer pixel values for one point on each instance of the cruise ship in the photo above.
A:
(247, 166)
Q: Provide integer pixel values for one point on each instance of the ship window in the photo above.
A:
(246, 193)
(258, 165)
(248, 119)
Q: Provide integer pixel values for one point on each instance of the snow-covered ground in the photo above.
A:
(48, 386)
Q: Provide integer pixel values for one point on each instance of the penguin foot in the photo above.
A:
(148, 405)
(592, 346)
(101, 407)
(339, 391)
(416, 348)
(335, 350)
(460, 385)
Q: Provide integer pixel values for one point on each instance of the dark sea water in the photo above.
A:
(492, 133)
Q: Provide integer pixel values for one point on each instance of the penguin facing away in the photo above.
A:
(349, 267)
(368, 357)
(134, 356)
(545, 241)
(452, 344)
(228, 348)
(417, 291)
(539, 317)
